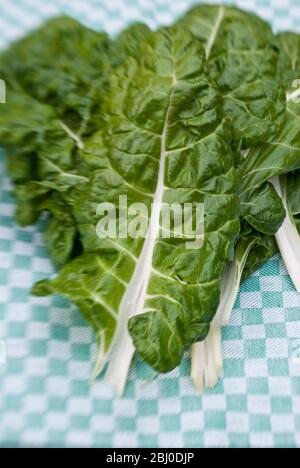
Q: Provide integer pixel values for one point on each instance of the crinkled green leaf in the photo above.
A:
(281, 154)
(263, 249)
(289, 72)
(91, 282)
(60, 72)
(251, 251)
(43, 154)
(65, 65)
(262, 208)
(243, 58)
(128, 42)
(55, 80)
(293, 192)
(29, 198)
(61, 233)
(59, 241)
(165, 140)
(39, 149)
(242, 55)
(33, 127)
(289, 60)
(153, 129)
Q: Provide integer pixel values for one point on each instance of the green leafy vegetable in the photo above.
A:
(262, 208)
(264, 249)
(293, 192)
(203, 112)
(95, 283)
(291, 184)
(60, 72)
(251, 251)
(281, 154)
(166, 117)
(287, 237)
(54, 79)
(243, 59)
(65, 65)
(242, 54)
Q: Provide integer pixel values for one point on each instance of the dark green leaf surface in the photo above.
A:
(156, 117)
(289, 60)
(293, 192)
(65, 65)
(39, 150)
(91, 283)
(263, 248)
(281, 154)
(242, 55)
(262, 208)
(128, 42)
(166, 140)
(61, 233)
(289, 70)
(56, 80)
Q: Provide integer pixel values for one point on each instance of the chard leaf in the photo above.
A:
(37, 132)
(289, 63)
(165, 140)
(59, 241)
(242, 54)
(42, 153)
(292, 184)
(260, 205)
(252, 249)
(262, 208)
(29, 199)
(128, 42)
(65, 65)
(287, 237)
(60, 72)
(61, 233)
(281, 155)
(91, 281)
(261, 252)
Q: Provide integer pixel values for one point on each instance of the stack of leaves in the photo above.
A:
(200, 112)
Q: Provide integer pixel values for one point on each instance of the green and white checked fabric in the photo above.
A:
(45, 397)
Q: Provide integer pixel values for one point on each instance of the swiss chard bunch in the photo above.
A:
(200, 112)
